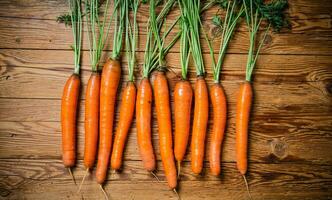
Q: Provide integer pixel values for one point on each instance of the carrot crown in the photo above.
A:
(131, 36)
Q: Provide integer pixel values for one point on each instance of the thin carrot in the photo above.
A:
(91, 119)
(68, 119)
(190, 11)
(201, 115)
(183, 95)
(243, 107)
(218, 100)
(127, 109)
(71, 91)
(255, 13)
(217, 95)
(161, 95)
(128, 97)
(108, 92)
(143, 123)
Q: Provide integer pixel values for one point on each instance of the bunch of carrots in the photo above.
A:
(102, 87)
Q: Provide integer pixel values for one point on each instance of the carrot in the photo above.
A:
(108, 93)
(91, 122)
(127, 109)
(242, 120)
(128, 97)
(109, 84)
(143, 123)
(190, 12)
(255, 14)
(68, 119)
(218, 100)
(161, 95)
(91, 119)
(201, 114)
(71, 90)
(183, 95)
(182, 107)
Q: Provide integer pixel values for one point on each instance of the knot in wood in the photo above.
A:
(279, 148)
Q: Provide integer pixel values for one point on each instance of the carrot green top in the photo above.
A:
(255, 12)
(74, 19)
(228, 26)
(96, 30)
(131, 36)
(155, 49)
(190, 11)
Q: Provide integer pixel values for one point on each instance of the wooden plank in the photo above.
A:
(272, 139)
(35, 178)
(276, 98)
(36, 9)
(26, 69)
(46, 34)
(284, 77)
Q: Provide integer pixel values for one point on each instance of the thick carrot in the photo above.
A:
(201, 114)
(219, 107)
(183, 95)
(91, 119)
(127, 110)
(69, 103)
(143, 123)
(243, 107)
(161, 95)
(108, 91)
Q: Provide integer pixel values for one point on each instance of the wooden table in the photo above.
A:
(290, 134)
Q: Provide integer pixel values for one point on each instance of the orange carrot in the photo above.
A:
(242, 120)
(143, 123)
(127, 110)
(218, 100)
(161, 95)
(68, 119)
(108, 91)
(71, 90)
(91, 119)
(201, 112)
(183, 94)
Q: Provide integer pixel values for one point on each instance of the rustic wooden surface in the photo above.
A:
(290, 133)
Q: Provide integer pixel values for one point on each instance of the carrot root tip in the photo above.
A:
(179, 168)
(80, 187)
(247, 186)
(177, 194)
(104, 192)
(155, 175)
(72, 175)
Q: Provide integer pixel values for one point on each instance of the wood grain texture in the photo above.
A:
(273, 140)
(20, 33)
(290, 130)
(36, 179)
